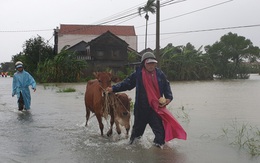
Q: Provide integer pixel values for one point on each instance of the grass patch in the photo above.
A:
(49, 86)
(66, 90)
(243, 136)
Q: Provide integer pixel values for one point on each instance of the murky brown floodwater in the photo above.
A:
(54, 131)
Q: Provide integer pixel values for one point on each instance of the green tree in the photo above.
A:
(133, 57)
(186, 63)
(229, 54)
(65, 67)
(150, 6)
(35, 51)
(7, 67)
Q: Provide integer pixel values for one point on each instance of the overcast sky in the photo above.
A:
(200, 22)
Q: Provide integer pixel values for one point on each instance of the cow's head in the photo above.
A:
(104, 79)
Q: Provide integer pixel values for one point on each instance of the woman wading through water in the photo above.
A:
(153, 93)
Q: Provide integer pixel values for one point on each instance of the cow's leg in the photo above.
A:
(118, 130)
(101, 126)
(87, 116)
(127, 130)
(110, 131)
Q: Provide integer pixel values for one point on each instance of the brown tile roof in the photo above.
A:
(97, 29)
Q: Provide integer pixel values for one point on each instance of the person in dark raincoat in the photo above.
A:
(21, 82)
(146, 109)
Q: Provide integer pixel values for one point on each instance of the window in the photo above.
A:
(100, 53)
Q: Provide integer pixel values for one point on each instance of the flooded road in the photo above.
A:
(54, 131)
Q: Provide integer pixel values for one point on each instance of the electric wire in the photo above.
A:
(132, 13)
(188, 13)
(213, 29)
(21, 31)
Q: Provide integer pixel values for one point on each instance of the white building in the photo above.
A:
(73, 34)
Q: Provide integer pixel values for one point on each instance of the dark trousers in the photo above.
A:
(20, 102)
(144, 117)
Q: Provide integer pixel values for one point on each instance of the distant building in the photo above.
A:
(101, 47)
(73, 34)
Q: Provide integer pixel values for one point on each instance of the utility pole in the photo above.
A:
(39, 51)
(56, 31)
(157, 53)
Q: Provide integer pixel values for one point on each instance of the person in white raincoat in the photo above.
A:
(21, 82)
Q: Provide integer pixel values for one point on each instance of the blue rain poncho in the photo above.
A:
(21, 82)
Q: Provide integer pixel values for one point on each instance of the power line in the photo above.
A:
(215, 29)
(133, 12)
(198, 10)
(116, 19)
(115, 16)
(208, 30)
(128, 15)
(123, 16)
(189, 12)
(202, 30)
(21, 31)
(131, 15)
(170, 2)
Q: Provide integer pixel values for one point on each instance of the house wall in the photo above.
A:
(109, 53)
(71, 40)
(102, 65)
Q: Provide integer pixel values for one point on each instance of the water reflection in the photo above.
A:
(24, 116)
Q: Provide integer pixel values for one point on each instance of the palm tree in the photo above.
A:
(186, 63)
(150, 6)
(64, 67)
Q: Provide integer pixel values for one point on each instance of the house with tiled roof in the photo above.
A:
(73, 34)
(101, 47)
(105, 51)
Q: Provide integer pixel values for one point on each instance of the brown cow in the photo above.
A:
(102, 104)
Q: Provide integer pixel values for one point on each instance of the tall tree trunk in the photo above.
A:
(146, 24)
